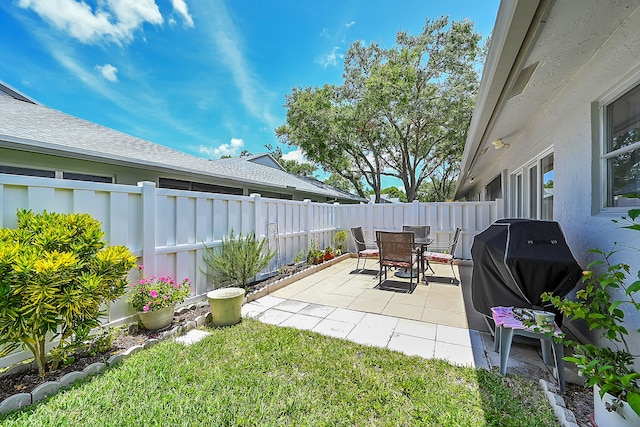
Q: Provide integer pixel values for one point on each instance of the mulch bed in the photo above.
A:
(25, 382)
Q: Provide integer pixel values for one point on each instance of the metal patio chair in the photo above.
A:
(396, 251)
(361, 247)
(443, 252)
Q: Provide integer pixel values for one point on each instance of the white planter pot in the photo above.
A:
(623, 416)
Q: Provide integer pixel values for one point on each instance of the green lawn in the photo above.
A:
(254, 374)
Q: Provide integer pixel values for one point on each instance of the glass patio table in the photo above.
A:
(421, 245)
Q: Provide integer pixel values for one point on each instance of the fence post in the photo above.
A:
(257, 214)
(415, 213)
(307, 203)
(501, 210)
(148, 225)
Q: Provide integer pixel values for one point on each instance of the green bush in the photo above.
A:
(238, 260)
(339, 239)
(608, 288)
(56, 272)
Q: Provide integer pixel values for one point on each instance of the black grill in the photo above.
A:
(516, 260)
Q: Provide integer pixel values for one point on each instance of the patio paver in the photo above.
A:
(436, 321)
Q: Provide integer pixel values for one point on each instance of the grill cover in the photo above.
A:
(516, 260)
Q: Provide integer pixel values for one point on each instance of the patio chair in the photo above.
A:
(421, 234)
(443, 252)
(396, 251)
(361, 247)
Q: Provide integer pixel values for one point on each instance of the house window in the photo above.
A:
(532, 189)
(622, 149)
(177, 184)
(12, 170)
(85, 177)
(546, 202)
(494, 189)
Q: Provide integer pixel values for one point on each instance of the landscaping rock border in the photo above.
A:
(22, 400)
(565, 416)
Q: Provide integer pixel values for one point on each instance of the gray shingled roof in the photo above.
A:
(35, 125)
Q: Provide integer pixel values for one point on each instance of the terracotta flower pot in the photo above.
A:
(226, 304)
(157, 319)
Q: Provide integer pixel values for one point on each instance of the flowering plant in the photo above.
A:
(154, 293)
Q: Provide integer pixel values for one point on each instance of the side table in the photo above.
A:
(507, 326)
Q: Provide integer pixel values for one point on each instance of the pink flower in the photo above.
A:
(153, 293)
(166, 297)
(145, 308)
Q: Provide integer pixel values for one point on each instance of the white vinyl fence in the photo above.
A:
(167, 229)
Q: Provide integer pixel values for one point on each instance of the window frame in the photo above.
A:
(603, 143)
(525, 182)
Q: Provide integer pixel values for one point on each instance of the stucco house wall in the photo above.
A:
(566, 121)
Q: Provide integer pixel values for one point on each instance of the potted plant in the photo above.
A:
(315, 256)
(339, 239)
(231, 266)
(608, 288)
(329, 253)
(155, 298)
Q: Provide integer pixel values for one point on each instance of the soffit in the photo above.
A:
(569, 35)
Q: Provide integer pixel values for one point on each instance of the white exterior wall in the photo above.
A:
(567, 125)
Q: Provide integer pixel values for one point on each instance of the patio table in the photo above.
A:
(507, 325)
(421, 245)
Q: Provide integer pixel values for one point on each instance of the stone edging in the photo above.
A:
(565, 416)
(22, 400)
(294, 277)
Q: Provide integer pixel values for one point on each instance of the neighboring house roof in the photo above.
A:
(537, 46)
(383, 199)
(26, 125)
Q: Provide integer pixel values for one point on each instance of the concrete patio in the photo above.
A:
(437, 320)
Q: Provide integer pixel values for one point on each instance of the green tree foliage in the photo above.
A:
(337, 181)
(56, 273)
(394, 193)
(401, 112)
(441, 185)
(237, 260)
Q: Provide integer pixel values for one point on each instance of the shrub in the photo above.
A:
(339, 239)
(56, 273)
(237, 260)
(608, 287)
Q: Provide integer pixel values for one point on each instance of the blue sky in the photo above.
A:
(207, 77)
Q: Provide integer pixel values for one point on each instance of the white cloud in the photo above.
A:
(230, 52)
(296, 155)
(180, 6)
(331, 58)
(231, 149)
(108, 71)
(350, 24)
(111, 20)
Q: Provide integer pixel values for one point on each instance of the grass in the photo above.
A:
(254, 374)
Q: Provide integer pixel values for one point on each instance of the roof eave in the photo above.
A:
(513, 24)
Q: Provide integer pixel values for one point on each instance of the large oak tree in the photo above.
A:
(401, 112)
